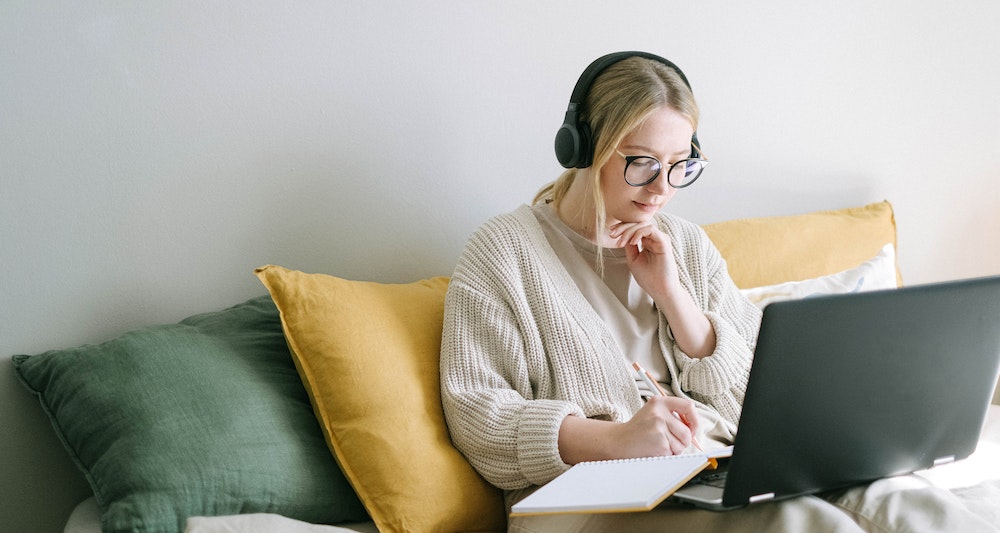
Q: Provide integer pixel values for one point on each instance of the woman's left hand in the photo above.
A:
(650, 256)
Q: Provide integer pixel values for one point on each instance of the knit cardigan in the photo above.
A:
(522, 348)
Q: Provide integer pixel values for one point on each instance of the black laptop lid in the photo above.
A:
(850, 388)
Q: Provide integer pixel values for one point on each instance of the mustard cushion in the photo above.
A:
(772, 250)
(368, 355)
(878, 273)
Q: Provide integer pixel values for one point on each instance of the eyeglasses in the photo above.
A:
(642, 170)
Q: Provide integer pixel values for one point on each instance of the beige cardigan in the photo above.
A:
(522, 348)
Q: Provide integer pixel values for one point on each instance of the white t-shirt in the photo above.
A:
(627, 309)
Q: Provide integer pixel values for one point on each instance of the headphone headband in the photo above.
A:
(574, 143)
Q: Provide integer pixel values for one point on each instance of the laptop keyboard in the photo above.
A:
(713, 479)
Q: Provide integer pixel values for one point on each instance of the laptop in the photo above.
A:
(847, 389)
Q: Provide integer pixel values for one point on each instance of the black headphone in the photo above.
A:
(574, 141)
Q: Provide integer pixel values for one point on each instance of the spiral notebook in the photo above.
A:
(614, 486)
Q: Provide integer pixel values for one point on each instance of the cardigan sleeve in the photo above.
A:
(720, 379)
(491, 367)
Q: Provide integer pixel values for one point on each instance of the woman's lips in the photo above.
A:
(647, 207)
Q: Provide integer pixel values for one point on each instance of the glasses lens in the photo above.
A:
(685, 172)
(641, 170)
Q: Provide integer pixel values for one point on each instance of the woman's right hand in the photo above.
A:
(657, 429)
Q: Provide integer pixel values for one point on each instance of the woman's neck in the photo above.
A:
(576, 210)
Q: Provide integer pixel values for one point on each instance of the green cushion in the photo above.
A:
(202, 418)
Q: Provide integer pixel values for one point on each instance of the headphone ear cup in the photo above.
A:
(586, 151)
(567, 145)
(573, 145)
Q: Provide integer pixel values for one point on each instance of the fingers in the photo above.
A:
(631, 234)
(680, 436)
(686, 430)
(676, 419)
(688, 415)
(684, 411)
(643, 235)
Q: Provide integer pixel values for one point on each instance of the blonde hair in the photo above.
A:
(619, 100)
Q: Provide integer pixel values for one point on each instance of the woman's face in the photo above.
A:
(665, 135)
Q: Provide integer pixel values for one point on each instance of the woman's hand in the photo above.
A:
(658, 428)
(650, 256)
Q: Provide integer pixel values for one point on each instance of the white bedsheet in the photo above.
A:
(975, 480)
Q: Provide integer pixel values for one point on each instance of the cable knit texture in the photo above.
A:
(522, 348)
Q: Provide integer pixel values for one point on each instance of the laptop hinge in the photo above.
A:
(944, 460)
(761, 497)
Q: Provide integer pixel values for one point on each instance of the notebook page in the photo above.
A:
(613, 486)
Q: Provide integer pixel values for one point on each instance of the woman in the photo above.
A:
(550, 305)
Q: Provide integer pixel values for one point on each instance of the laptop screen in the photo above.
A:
(850, 388)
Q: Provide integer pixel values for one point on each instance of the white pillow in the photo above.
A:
(877, 273)
(256, 523)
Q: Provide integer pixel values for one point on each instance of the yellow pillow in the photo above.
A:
(772, 250)
(368, 354)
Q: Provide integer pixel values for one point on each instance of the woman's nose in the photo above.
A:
(659, 185)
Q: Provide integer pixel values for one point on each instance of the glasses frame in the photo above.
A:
(630, 158)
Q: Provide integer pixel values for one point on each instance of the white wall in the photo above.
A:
(153, 153)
